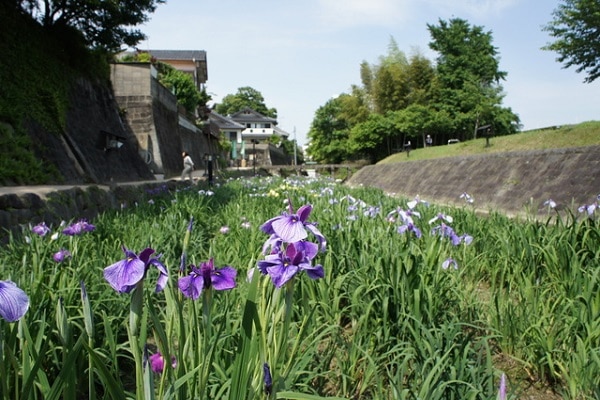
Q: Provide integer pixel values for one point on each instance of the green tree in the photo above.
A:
(183, 87)
(370, 138)
(329, 133)
(354, 106)
(386, 82)
(576, 28)
(416, 121)
(104, 24)
(421, 76)
(245, 97)
(468, 76)
(395, 81)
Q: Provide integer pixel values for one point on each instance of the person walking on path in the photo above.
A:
(188, 166)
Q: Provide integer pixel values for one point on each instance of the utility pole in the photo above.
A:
(295, 145)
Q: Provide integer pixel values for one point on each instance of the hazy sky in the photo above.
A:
(301, 53)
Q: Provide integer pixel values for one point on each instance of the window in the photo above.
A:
(267, 125)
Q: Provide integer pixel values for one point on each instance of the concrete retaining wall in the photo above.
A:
(20, 210)
(514, 182)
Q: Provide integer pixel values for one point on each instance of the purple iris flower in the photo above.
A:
(272, 245)
(466, 239)
(502, 388)
(449, 262)
(405, 216)
(205, 277)
(268, 380)
(78, 228)
(61, 255)
(291, 227)
(550, 203)
(589, 208)
(409, 227)
(467, 197)
(40, 229)
(157, 363)
(14, 303)
(445, 231)
(125, 274)
(284, 265)
(441, 217)
(417, 200)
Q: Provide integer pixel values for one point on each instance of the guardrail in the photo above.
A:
(310, 166)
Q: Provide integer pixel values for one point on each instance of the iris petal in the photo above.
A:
(124, 274)
(191, 285)
(224, 278)
(289, 229)
(280, 274)
(14, 303)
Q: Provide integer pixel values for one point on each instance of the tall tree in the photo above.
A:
(183, 87)
(245, 97)
(421, 75)
(576, 28)
(369, 138)
(329, 133)
(104, 24)
(386, 82)
(395, 82)
(468, 75)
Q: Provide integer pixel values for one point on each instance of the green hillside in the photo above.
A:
(583, 134)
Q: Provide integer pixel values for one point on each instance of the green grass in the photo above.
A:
(386, 321)
(580, 135)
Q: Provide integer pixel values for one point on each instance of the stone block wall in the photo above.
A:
(152, 113)
(20, 211)
(80, 152)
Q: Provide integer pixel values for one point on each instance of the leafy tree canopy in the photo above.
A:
(182, 86)
(576, 28)
(370, 138)
(468, 76)
(329, 132)
(245, 97)
(465, 52)
(397, 81)
(105, 24)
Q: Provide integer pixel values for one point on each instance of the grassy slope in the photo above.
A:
(583, 134)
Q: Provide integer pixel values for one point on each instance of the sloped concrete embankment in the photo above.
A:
(514, 182)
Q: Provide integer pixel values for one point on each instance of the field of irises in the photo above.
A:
(302, 288)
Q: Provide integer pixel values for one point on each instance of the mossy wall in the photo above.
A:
(55, 105)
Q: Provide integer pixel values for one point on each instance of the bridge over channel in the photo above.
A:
(313, 169)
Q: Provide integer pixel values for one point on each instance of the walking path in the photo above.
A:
(43, 190)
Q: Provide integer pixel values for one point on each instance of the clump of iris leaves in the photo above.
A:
(414, 300)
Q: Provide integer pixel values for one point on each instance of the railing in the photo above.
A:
(310, 166)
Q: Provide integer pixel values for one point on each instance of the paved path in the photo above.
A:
(43, 190)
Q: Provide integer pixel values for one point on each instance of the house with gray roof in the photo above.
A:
(192, 62)
(249, 139)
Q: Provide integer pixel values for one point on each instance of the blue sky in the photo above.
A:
(301, 53)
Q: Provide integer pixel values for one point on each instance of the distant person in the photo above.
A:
(428, 141)
(407, 147)
(188, 166)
